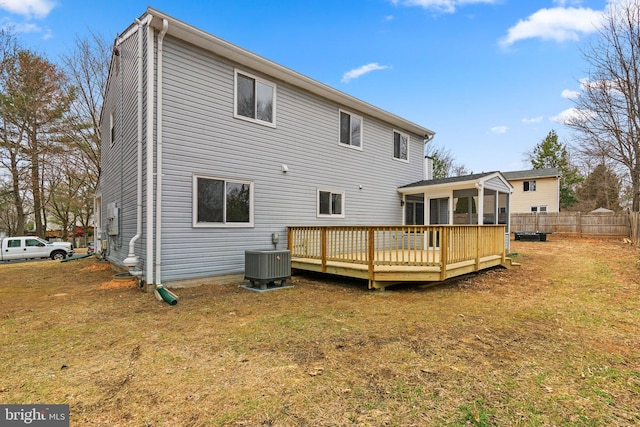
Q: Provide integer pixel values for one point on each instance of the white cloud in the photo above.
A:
(447, 6)
(358, 72)
(557, 24)
(570, 94)
(28, 8)
(388, 18)
(572, 115)
(563, 3)
(25, 28)
(532, 120)
(499, 129)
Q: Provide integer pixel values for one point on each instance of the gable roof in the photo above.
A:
(533, 173)
(453, 181)
(220, 47)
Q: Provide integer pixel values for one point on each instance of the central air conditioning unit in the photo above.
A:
(263, 268)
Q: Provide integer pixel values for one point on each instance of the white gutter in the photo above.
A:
(150, 74)
(250, 60)
(132, 259)
(158, 280)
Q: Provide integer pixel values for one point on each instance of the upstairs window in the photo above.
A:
(112, 128)
(400, 146)
(221, 202)
(350, 130)
(255, 99)
(529, 186)
(330, 203)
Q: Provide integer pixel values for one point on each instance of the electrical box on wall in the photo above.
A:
(112, 219)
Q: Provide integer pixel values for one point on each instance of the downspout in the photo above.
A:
(149, 154)
(131, 262)
(158, 275)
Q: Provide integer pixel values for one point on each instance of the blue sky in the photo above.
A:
(490, 77)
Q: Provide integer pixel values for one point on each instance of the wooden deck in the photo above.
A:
(387, 255)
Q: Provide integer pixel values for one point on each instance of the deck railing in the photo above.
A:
(428, 245)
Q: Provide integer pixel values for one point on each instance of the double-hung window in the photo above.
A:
(529, 186)
(255, 99)
(330, 203)
(350, 130)
(222, 202)
(400, 146)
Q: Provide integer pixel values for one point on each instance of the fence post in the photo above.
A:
(579, 224)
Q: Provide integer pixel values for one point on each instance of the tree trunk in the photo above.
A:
(35, 189)
(635, 189)
(17, 200)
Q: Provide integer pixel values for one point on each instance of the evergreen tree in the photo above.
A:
(550, 153)
(601, 189)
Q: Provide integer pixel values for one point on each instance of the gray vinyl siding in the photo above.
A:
(118, 182)
(497, 184)
(202, 137)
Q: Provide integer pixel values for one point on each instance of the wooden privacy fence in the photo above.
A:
(582, 224)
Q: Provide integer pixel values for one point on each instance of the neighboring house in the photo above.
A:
(535, 190)
(209, 150)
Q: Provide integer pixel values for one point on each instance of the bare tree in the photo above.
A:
(444, 164)
(607, 119)
(87, 68)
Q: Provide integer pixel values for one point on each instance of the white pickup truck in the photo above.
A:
(25, 247)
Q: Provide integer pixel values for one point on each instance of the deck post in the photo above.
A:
(370, 254)
(323, 248)
(444, 250)
(289, 239)
(478, 248)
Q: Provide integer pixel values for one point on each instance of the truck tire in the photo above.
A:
(58, 255)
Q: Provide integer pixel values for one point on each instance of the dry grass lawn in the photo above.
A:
(555, 343)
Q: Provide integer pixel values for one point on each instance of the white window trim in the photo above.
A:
(546, 208)
(327, 190)
(194, 204)
(535, 186)
(353, 147)
(393, 141)
(235, 98)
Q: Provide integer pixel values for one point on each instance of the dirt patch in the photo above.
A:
(552, 343)
(119, 284)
